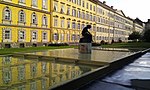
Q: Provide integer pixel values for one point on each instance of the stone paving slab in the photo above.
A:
(139, 69)
(99, 85)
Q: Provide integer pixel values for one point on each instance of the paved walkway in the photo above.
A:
(135, 76)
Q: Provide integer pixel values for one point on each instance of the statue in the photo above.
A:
(85, 41)
(86, 35)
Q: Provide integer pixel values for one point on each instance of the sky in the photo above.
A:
(132, 8)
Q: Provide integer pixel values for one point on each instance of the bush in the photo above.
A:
(146, 36)
(58, 44)
(96, 44)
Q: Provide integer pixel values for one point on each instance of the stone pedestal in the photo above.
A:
(85, 47)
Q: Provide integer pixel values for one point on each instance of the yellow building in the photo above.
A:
(24, 23)
(41, 22)
(69, 18)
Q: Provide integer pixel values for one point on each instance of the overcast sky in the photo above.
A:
(132, 8)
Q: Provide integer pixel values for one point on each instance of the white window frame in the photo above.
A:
(21, 16)
(34, 3)
(34, 18)
(7, 35)
(55, 6)
(7, 14)
(62, 23)
(44, 4)
(55, 22)
(22, 1)
(44, 20)
(23, 35)
(34, 35)
(44, 36)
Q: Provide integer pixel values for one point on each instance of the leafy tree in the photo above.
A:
(146, 36)
(135, 35)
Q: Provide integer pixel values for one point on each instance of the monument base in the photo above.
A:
(85, 47)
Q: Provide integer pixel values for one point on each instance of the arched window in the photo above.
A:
(34, 18)
(7, 14)
(21, 16)
(44, 20)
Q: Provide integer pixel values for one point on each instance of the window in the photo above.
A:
(44, 20)
(21, 35)
(74, 1)
(62, 9)
(44, 35)
(34, 18)
(90, 6)
(33, 69)
(7, 14)
(73, 12)
(7, 60)
(44, 64)
(21, 72)
(7, 75)
(78, 14)
(79, 2)
(44, 4)
(7, 34)
(68, 24)
(34, 3)
(62, 23)
(87, 5)
(83, 26)
(55, 22)
(73, 37)
(56, 36)
(87, 16)
(21, 1)
(83, 15)
(94, 18)
(82, 3)
(21, 16)
(78, 25)
(62, 37)
(94, 8)
(90, 17)
(73, 25)
(68, 11)
(55, 6)
(34, 35)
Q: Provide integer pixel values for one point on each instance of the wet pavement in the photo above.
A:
(135, 76)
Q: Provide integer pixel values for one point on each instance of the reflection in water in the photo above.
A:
(24, 74)
(96, 55)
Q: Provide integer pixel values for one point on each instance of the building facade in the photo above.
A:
(24, 23)
(41, 22)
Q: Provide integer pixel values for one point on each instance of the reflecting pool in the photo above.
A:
(96, 55)
(25, 74)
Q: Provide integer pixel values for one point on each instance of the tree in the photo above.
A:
(134, 36)
(146, 36)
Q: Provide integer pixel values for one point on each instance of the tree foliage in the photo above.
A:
(135, 35)
(146, 36)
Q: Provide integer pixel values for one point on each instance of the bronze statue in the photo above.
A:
(86, 35)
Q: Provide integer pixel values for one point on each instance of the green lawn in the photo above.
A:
(30, 49)
(128, 45)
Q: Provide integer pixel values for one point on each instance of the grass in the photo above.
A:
(30, 49)
(128, 45)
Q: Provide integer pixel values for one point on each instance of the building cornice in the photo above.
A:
(24, 26)
(24, 7)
